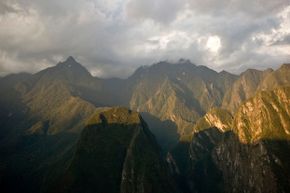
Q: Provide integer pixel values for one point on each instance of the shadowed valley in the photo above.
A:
(189, 129)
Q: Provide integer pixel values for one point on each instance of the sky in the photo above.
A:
(114, 37)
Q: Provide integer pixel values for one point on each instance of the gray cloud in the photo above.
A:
(163, 11)
(254, 8)
(283, 41)
(114, 37)
(5, 8)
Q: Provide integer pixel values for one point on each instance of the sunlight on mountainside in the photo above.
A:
(145, 96)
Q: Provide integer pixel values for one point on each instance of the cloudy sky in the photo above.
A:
(114, 37)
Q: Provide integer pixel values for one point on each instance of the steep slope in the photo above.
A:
(65, 71)
(12, 109)
(47, 100)
(252, 81)
(277, 78)
(41, 120)
(243, 88)
(77, 80)
(179, 92)
(55, 105)
(164, 131)
(170, 103)
(116, 153)
(265, 116)
(216, 117)
(246, 152)
(220, 163)
(44, 147)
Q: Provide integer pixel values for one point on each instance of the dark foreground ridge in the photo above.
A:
(221, 163)
(116, 153)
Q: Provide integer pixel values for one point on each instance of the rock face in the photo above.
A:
(116, 153)
(233, 131)
(253, 81)
(41, 116)
(277, 78)
(221, 163)
(250, 157)
(243, 88)
(168, 103)
(216, 117)
(46, 101)
(180, 92)
(265, 116)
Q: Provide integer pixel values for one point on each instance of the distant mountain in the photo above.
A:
(179, 92)
(60, 130)
(277, 78)
(243, 88)
(41, 118)
(264, 116)
(47, 100)
(252, 81)
(69, 71)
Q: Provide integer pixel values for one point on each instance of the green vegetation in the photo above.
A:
(59, 132)
(116, 153)
(265, 116)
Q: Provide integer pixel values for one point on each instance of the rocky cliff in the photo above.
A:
(221, 163)
(116, 153)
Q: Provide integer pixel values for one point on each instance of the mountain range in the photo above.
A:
(166, 128)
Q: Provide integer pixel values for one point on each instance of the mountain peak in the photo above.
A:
(285, 66)
(70, 62)
(165, 68)
(71, 59)
(71, 65)
(185, 61)
(120, 115)
(224, 72)
(113, 153)
(69, 70)
(251, 71)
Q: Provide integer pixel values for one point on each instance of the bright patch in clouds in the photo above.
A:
(213, 43)
(114, 37)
